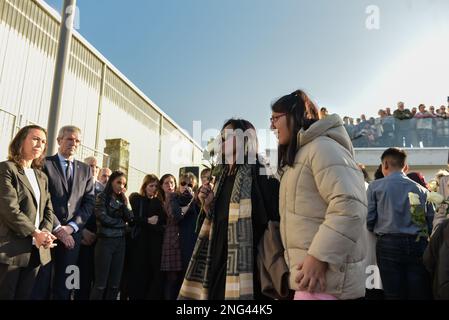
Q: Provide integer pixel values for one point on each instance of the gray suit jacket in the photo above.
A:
(18, 205)
(78, 205)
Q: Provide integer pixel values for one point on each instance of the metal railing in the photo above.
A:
(391, 132)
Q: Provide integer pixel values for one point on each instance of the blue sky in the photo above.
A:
(210, 60)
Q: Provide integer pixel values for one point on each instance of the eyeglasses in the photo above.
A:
(274, 119)
(183, 184)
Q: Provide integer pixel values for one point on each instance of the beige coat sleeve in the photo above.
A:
(341, 185)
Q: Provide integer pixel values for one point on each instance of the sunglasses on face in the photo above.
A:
(183, 184)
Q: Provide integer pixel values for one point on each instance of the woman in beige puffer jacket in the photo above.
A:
(322, 201)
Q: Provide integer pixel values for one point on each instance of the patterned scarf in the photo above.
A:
(240, 264)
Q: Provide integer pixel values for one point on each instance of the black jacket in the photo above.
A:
(112, 216)
(144, 208)
(187, 222)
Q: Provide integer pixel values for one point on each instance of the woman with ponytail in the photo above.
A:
(322, 202)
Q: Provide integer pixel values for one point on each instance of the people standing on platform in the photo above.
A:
(236, 214)
(26, 214)
(71, 187)
(424, 126)
(322, 202)
(402, 125)
(113, 213)
(145, 247)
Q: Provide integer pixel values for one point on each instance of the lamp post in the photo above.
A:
(62, 58)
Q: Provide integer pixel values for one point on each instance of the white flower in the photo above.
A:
(414, 199)
(433, 186)
(435, 198)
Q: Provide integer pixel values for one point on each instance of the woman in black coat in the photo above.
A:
(145, 247)
(235, 214)
(186, 207)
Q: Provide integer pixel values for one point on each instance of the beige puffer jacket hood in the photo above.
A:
(323, 208)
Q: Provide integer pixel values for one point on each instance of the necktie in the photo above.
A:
(68, 175)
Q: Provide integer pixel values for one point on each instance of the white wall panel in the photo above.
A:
(28, 43)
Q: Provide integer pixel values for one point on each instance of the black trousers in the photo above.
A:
(109, 259)
(87, 271)
(144, 267)
(65, 258)
(16, 283)
(41, 288)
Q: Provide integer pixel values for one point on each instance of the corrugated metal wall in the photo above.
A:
(28, 43)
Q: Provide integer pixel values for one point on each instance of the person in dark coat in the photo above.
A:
(234, 216)
(113, 213)
(145, 247)
(88, 239)
(171, 261)
(436, 261)
(188, 207)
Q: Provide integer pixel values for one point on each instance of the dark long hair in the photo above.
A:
(108, 189)
(301, 113)
(161, 182)
(250, 144)
(15, 147)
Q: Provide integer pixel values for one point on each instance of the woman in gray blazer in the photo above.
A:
(26, 214)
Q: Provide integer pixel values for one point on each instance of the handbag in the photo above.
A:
(273, 270)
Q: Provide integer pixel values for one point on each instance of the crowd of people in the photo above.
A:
(418, 127)
(136, 248)
(307, 233)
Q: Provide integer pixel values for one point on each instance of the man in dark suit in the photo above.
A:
(72, 193)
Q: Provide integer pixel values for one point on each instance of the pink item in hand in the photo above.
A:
(305, 295)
